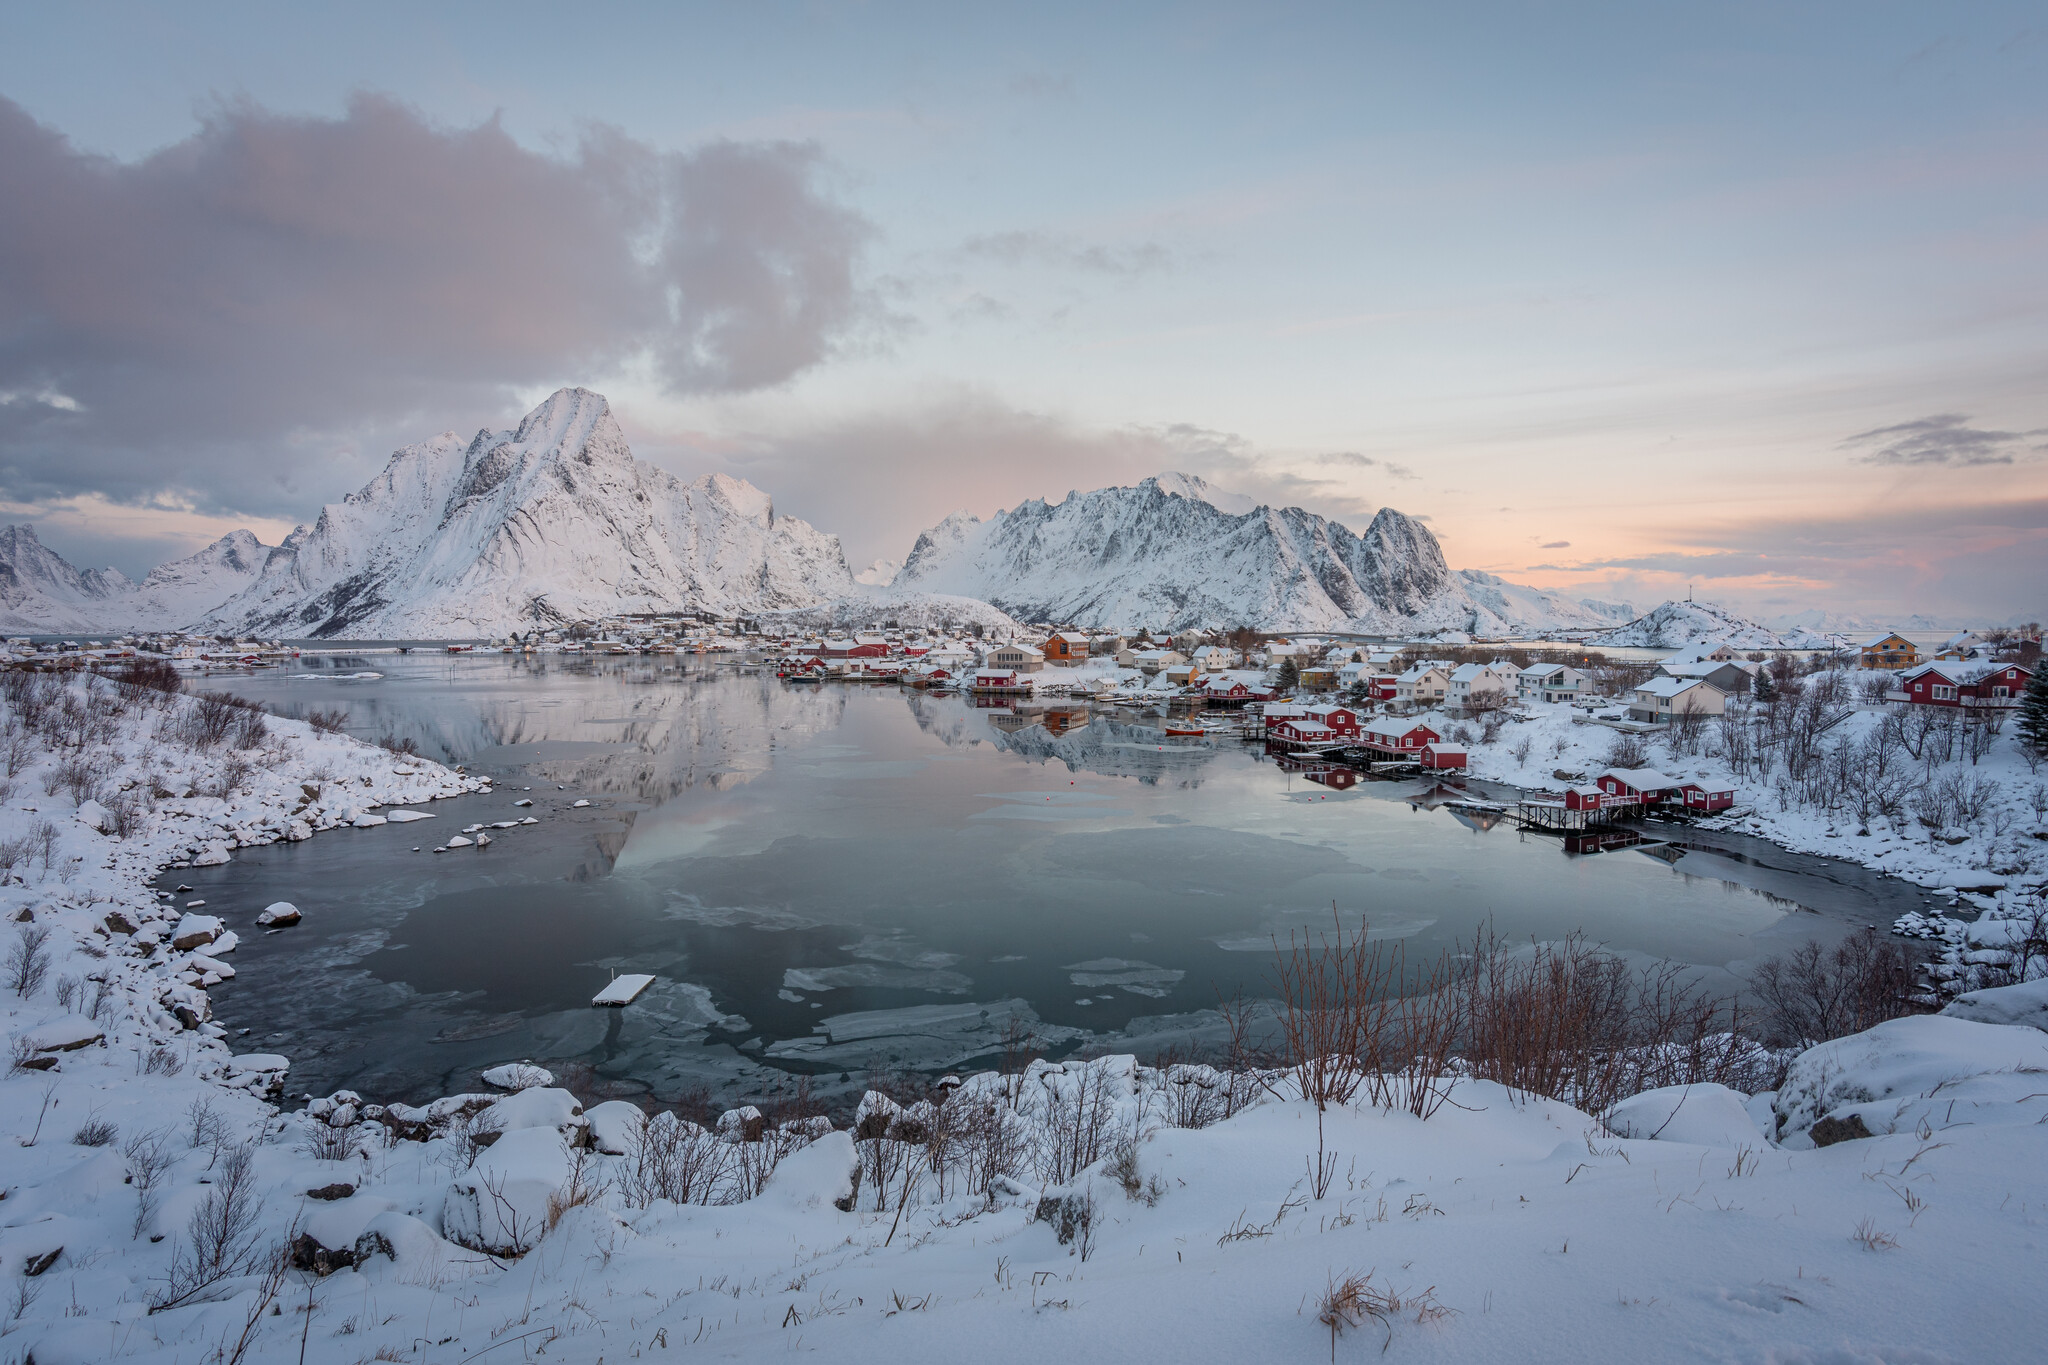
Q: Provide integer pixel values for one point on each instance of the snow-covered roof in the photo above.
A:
(1643, 779)
(1671, 687)
(1534, 671)
(1445, 748)
(1876, 641)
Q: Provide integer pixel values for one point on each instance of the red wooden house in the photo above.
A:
(1638, 784)
(1401, 743)
(1949, 682)
(1443, 756)
(1341, 719)
(1695, 797)
(1301, 733)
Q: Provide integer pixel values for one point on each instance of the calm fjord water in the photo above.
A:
(826, 878)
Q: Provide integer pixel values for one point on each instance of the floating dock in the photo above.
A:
(623, 990)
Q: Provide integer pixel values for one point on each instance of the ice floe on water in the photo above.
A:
(1137, 978)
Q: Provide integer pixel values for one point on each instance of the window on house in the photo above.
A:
(1944, 693)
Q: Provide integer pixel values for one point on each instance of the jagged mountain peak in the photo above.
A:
(553, 520)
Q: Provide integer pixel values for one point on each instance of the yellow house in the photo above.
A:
(1891, 650)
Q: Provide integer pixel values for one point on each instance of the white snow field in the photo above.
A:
(160, 1207)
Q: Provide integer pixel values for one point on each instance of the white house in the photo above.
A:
(1422, 684)
(1550, 683)
(1469, 681)
(1662, 699)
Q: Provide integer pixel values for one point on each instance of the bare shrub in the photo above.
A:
(18, 747)
(405, 748)
(161, 1061)
(95, 1133)
(671, 1158)
(1627, 751)
(1812, 994)
(13, 853)
(78, 778)
(219, 1240)
(1576, 1023)
(328, 722)
(28, 960)
(1345, 1025)
(148, 675)
(1078, 1120)
(251, 729)
(149, 1158)
(233, 772)
(323, 1142)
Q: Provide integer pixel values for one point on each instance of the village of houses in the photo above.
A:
(1886, 752)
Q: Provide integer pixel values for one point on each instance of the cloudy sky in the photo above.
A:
(1622, 298)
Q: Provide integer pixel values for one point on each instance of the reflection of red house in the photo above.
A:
(1336, 779)
(1441, 756)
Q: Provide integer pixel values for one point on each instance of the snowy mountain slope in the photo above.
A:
(552, 521)
(1172, 551)
(176, 594)
(41, 592)
(1675, 625)
(1513, 602)
(879, 574)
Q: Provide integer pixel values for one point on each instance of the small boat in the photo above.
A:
(1194, 730)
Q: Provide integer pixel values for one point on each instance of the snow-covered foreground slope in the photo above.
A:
(40, 592)
(551, 522)
(1174, 552)
(1674, 625)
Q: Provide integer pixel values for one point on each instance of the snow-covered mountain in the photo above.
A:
(1674, 625)
(1175, 552)
(553, 521)
(879, 574)
(1512, 602)
(41, 593)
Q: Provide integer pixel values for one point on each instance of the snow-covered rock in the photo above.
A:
(552, 521)
(195, 931)
(615, 1126)
(500, 1205)
(518, 1076)
(277, 914)
(1707, 1114)
(2024, 1004)
(65, 1033)
(1906, 1072)
(1175, 551)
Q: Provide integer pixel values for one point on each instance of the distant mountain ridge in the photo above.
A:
(1173, 551)
(41, 593)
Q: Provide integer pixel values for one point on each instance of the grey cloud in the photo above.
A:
(1068, 253)
(1945, 438)
(1556, 545)
(281, 294)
